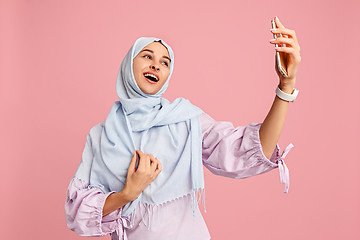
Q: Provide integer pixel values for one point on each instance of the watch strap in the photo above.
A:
(286, 96)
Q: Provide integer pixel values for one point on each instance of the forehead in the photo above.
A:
(158, 48)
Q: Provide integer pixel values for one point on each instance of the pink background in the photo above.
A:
(58, 67)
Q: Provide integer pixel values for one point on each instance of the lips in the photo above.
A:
(151, 77)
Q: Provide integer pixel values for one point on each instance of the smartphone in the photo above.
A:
(280, 58)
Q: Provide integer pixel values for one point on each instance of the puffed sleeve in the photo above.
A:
(84, 204)
(237, 152)
(83, 210)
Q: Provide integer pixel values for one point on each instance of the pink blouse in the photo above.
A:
(227, 151)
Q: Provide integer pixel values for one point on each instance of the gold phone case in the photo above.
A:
(280, 62)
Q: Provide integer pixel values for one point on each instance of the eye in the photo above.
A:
(149, 57)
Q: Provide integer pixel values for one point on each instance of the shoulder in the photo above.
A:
(96, 130)
(206, 121)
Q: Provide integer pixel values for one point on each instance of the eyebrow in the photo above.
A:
(153, 52)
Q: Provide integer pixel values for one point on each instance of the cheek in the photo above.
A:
(166, 76)
(138, 64)
(137, 69)
(135, 66)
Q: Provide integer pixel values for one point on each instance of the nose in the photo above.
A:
(154, 67)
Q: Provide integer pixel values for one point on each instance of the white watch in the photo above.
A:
(286, 96)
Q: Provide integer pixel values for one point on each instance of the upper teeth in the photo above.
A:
(149, 74)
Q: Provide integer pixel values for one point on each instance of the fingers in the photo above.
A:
(148, 163)
(159, 168)
(156, 166)
(293, 52)
(132, 163)
(144, 162)
(153, 163)
(282, 40)
(278, 23)
(288, 37)
(286, 49)
(287, 33)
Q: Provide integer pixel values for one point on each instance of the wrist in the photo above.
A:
(287, 86)
(115, 201)
(126, 195)
(287, 89)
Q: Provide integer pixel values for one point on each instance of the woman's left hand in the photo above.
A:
(290, 52)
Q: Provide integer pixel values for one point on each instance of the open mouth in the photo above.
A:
(151, 77)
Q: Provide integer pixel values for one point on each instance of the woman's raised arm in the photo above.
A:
(271, 127)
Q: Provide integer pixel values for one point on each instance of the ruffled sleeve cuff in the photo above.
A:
(83, 209)
(276, 160)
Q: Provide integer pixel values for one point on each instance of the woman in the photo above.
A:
(141, 174)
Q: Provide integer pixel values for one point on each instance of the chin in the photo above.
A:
(149, 91)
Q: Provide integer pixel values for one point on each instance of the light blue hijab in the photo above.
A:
(171, 132)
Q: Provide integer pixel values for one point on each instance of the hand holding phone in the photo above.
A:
(280, 58)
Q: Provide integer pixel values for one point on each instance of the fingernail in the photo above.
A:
(273, 29)
(276, 17)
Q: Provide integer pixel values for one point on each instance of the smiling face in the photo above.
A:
(151, 67)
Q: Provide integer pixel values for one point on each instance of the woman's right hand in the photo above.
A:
(138, 179)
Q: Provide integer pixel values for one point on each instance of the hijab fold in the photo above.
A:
(170, 131)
